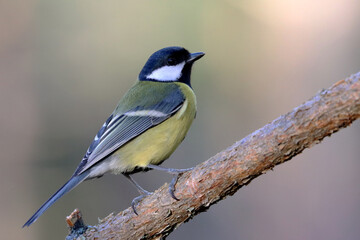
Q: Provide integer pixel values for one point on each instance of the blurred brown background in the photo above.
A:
(65, 64)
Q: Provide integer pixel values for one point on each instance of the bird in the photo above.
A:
(148, 124)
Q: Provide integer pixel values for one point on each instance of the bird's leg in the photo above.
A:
(173, 171)
(143, 193)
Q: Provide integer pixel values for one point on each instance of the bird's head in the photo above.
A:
(171, 64)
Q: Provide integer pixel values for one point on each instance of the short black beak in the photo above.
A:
(195, 56)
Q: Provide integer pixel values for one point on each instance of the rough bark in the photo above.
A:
(227, 171)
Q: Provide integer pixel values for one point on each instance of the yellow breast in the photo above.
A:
(158, 143)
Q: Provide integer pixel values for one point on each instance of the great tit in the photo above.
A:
(146, 127)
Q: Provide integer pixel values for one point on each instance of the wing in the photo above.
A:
(122, 128)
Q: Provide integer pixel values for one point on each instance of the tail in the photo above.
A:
(73, 182)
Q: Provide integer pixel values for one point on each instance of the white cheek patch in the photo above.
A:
(167, 73)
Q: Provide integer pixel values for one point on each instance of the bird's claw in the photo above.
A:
(172, 187)
(173, 182)
(136, 200)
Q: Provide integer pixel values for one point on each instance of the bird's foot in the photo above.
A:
(177, 173)
(136, 200)
(173, 171)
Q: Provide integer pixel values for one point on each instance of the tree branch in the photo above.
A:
(227, 171)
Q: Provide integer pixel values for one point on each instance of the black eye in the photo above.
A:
(171, 61)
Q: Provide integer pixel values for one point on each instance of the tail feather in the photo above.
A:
(73, 182)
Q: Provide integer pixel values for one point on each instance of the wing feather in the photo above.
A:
(122, 128)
